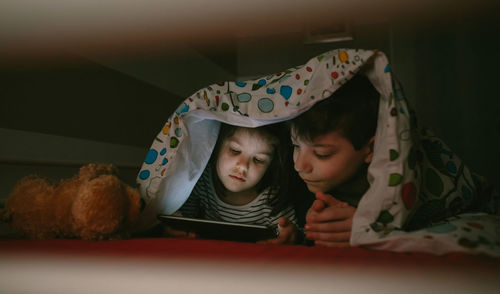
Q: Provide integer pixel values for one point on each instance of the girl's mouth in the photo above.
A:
(237, 178)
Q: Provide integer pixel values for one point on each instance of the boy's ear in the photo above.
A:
(369, 150)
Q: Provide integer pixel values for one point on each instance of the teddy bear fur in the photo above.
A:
(92, 205)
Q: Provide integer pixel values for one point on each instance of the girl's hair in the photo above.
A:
(352, 110)
(278, 173)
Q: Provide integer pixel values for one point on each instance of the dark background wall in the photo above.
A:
(75, 108)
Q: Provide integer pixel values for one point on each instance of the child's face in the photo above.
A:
(243, 160)
(327, 161)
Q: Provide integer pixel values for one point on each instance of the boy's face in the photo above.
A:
(328, 161)
(243, 160)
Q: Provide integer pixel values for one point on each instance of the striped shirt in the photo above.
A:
(204, 203)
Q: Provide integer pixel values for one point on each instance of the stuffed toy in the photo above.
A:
(92, 205)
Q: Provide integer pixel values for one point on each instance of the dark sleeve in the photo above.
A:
(191, 208)
(304, 201)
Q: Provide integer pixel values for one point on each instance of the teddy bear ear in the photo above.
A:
(93, 170)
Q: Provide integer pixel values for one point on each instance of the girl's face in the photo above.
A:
(328, 161)
(243, 160)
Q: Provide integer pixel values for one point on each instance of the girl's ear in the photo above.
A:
(369, 150)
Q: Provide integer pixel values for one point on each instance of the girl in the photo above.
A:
(246, 181)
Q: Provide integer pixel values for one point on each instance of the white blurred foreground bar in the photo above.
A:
(64, 274)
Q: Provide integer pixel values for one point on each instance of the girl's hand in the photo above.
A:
(169, 232)
(329, 221)
(287, 233)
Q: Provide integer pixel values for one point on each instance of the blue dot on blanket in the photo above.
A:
(266, 105)
(144, 174)
(241, 84)
(286, 92)
(451, 167)
(182, 108)
(151, 156)
(244, 97)
(261, 82)
(270, 91)
(164, 161)
(163, 151)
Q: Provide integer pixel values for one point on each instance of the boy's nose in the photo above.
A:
(301, 163)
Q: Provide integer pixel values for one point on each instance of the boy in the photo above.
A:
(333, 146)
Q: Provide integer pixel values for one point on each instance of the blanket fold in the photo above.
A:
(422, 197)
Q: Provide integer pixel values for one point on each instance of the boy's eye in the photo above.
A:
(323, 156)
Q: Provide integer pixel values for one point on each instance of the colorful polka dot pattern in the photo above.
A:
(274, 96)
(419, 178)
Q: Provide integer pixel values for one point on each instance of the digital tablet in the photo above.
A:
(209, 229)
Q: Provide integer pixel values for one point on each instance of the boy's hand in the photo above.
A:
(329, 221)
(287, 233)
(169, 232)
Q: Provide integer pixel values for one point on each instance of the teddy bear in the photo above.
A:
(92, 205)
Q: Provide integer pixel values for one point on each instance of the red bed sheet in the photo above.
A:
(248, 252)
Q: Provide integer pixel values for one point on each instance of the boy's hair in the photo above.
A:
(278, 173)
(352, 111)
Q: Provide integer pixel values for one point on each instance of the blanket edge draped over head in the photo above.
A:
(413, 175)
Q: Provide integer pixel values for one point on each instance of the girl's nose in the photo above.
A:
(301, 162)
(242, 165)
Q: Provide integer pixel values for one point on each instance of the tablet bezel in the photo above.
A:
(219, 230)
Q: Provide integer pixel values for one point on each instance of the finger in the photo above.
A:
(336, 226)
(332, 214)
(311, 215)
(329, 237)
(318, 205)
(329, 200)
(281, 239)
(332, 244)
(168, 231)
(283, 222)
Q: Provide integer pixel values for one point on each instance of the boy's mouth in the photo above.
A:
(310, 181)
(239, 179)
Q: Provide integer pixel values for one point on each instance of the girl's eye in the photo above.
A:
(234, 151)
(257, 160)
(295, 146)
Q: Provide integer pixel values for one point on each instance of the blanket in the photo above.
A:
(422, 197)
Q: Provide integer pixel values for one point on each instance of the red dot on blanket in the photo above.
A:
(409, 195)
(335, 74)
(309, 69)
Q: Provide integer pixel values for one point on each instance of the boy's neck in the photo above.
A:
(352, 190)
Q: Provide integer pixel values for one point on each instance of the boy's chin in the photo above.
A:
(314, 189)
